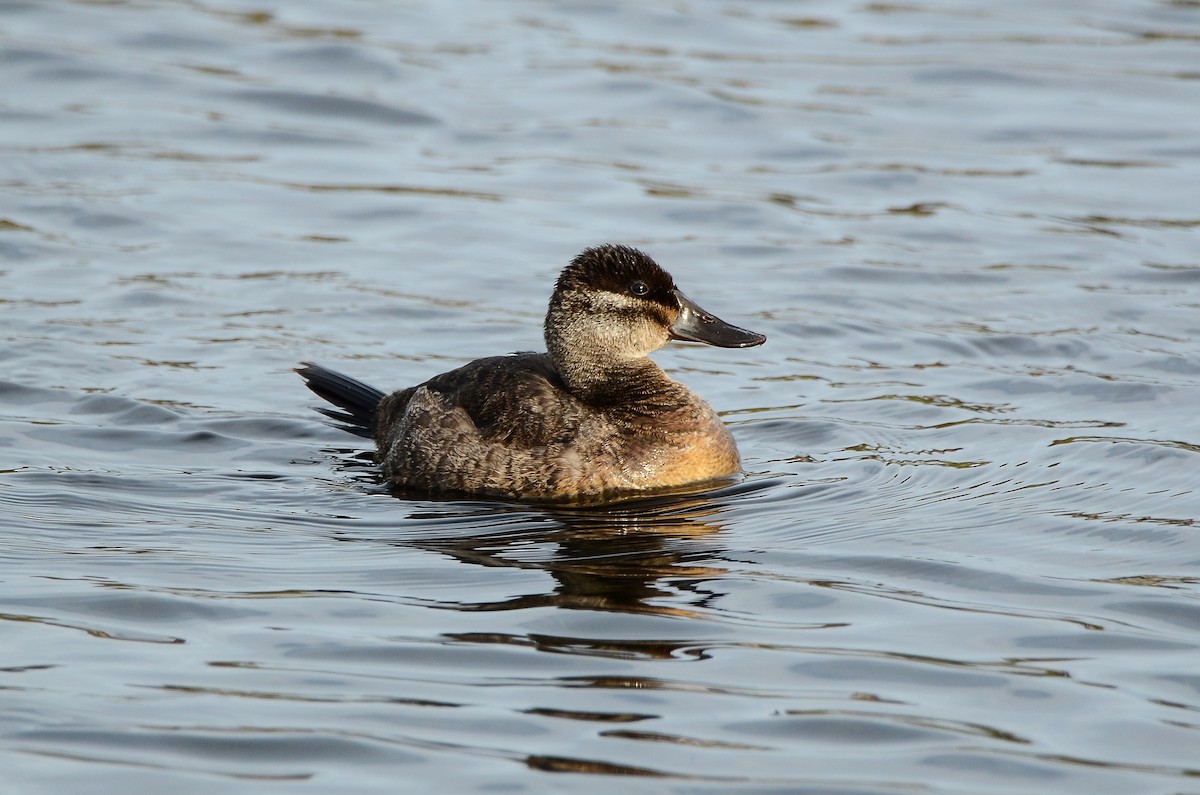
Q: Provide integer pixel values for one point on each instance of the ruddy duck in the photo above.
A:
(592, 419)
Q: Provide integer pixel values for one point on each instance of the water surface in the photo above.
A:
(964, 557)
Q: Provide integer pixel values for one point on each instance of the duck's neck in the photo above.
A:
(632, 384)
(597, 360)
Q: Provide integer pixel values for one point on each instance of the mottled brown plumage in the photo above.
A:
(591, 419)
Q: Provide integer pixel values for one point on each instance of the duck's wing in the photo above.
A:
(517, 399)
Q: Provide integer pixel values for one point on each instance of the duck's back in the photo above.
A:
(492, 426)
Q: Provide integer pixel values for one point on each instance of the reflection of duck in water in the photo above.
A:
(659, 556)
(593, 418)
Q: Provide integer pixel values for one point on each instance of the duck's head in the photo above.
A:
(614, 304)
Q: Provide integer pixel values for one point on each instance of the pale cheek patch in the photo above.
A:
(627, 326)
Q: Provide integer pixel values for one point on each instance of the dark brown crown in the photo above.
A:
(617, 268)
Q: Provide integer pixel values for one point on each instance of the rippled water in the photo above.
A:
(965, 556)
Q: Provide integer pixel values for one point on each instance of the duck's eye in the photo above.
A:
(639, 288)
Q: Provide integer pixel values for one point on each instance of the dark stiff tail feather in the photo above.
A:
(357, 400)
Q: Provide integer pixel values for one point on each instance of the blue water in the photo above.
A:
(965, 557)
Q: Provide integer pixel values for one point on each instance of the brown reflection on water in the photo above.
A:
(629, 559)
(623, 649)
(562, 764)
